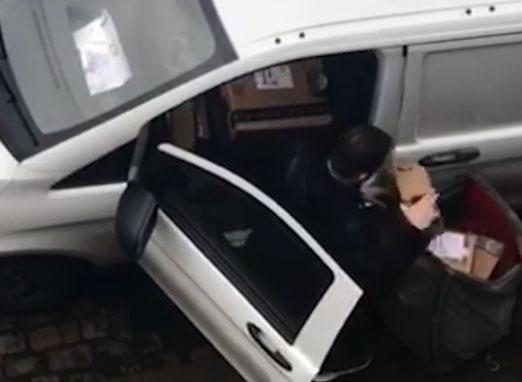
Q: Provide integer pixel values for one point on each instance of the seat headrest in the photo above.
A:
(295, 183)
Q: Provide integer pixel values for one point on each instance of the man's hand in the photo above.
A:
(422, 213)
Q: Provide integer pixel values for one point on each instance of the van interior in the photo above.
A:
(258, 126)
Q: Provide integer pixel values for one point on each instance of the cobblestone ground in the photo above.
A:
(129, 332)
(92, 341)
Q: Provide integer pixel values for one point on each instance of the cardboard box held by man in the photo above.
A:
(465, 252)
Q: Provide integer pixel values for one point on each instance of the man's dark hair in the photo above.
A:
(359, 150)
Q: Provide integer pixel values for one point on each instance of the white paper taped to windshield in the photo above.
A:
(103, 59)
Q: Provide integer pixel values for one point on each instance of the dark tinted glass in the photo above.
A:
(281, 276)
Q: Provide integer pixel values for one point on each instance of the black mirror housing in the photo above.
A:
(135, 219)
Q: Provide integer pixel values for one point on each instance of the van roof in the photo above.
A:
(248, 21)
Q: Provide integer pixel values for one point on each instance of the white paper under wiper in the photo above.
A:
(103, 59)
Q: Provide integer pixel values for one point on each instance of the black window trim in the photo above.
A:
(29, 140)
(112, 168)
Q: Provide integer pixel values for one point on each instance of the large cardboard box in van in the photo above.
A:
(285, 96)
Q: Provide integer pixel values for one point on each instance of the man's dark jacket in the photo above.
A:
(373, 244)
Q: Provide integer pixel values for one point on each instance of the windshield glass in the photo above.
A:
(75, 60)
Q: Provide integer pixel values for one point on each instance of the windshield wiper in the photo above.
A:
(3, 50)
(8, 85)
(4, 69)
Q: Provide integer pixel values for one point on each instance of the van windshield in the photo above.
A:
(75, 60)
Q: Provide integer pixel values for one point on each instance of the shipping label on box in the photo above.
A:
(277, 77)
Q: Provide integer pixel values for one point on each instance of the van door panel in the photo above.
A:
(465, 95)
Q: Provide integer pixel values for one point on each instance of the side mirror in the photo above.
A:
(135, 219)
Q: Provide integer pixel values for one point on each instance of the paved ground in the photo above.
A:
(125, 330)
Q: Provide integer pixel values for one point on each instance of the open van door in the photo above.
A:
(253, 281)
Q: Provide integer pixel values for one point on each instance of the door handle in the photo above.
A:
(445, 158)
(259, 337)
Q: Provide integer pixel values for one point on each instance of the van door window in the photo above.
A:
(470, 89)
(272, 267)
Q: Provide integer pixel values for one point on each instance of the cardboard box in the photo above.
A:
(481, 257)
(413, 182)
(285, 96)
(182, 121)
(465, 263)
(486, 256)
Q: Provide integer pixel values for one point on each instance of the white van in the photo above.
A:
(79, 81)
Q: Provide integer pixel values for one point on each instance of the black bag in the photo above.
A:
(445, 317)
